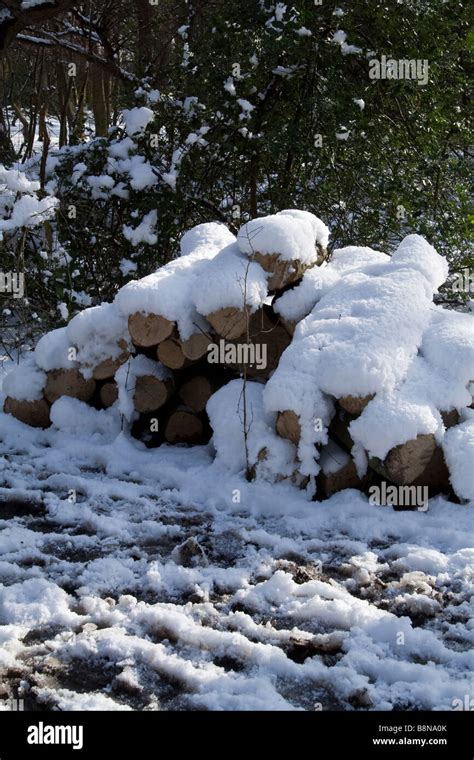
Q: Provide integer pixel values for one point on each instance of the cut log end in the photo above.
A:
(171, 354)
(109, 394)
(345, 477)
(107, 369)
(196, 393)
(355, 404)
(405, 463)
(151, 393)
(184, 427)
(68, 382)
(288, 426)
(230, 323)
(33, 413)
(282, 272)
(195, 347)
(148, 330)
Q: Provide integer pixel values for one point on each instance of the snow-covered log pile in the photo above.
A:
(331, 374)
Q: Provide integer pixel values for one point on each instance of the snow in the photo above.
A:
(415, 253)
(80, 419)
(226, 415)
(32, 3)
(140, 171)
(66, 700)
(293, 237)
(63, 310)
(26, 381)
(341, 577)
(169, 292)
(436, 380)
(230, 280)
(121, 148)
(136, 120)
(102, 182)
(296, 303)
(229, 86)
(17, 181)
(448, 344)
(214, 235)
(96, 333)
(29, 212)
(320, 230)
(34, 602)
(280, 10)
(458, 445)
(143, 233)
(53, 351)
(127, 267)
(354, 258)
(340, 38)
(245, 105)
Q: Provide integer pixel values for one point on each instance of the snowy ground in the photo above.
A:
(157, 589)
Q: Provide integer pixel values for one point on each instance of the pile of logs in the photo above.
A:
(173, 409)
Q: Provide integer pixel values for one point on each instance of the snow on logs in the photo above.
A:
(351, 374)
(284, 245)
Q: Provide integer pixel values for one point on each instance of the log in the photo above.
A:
(109, 394)
(196, 392)
(258, 356)
(332, 482)
(149, 427)
(170, 353)
(33, 413)
(282, 272)
(195, 347)
(68, 382)
(289, 325)
(355, 404)
(339, 430)
(149, 329)
(107, 369)
(184, 427)
(406, 463)
(288, 426)
(276, 341)
(403, 465)
(450, 418)
(151, 393)
(435, 475)
(230, 323)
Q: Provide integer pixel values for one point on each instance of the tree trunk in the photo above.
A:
(98, 101)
